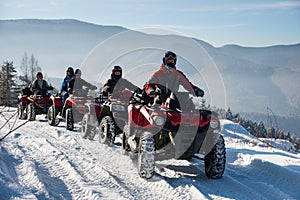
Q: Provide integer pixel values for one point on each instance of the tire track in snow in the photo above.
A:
(51, 158)
(82, 169)
(125, 172)
(191, 176)
(65, 165)
(57, 165)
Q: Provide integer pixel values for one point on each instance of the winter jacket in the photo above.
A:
(65, 83)
(168, 80)
(40, 87)
(116, 86)
(64, 88)
(76, 85)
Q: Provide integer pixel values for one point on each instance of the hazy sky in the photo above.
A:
(219, 22)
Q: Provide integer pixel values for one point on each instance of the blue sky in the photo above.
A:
(219, 22)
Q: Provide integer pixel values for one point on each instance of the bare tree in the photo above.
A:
(33, 65)
(25, 70)
(29, 67)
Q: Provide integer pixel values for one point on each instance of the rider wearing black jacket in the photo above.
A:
(116, 83)
(40, 86)
(76, 84)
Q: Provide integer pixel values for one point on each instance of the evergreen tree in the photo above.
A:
(8, 86)
(262, 130)
(230, 116)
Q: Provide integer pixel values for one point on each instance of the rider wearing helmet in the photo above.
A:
(168, 78)
(76, 84)
(116, 80)
(40, 86)
(65, 83)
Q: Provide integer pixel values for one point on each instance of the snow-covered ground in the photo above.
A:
(38, 161)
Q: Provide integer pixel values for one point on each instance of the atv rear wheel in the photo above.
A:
(87, 131)
(107, 130)
(69, 119)
(215, 160)
(125, 145)
(51, 115)
(146, 154)
(31, 112)
(21, 109)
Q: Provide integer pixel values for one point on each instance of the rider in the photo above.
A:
(40, 86)
(164, 81)
(116, 83)
(65, 83)
(168, 78)
(76, 84)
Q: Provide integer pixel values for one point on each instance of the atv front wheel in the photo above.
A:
(51, 115)
(107, 130)
(146, 154)
(215, 160)
(69, 119)
(31, 112)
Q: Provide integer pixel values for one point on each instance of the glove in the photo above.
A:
(70, 90)
(108, 89)
(62, 93)
(138, 90)
(199, 92)
(51, 88)
(151, 92)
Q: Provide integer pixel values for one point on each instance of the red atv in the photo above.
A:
(90, 120)
(72, 111)
(173, 128)
(31, 105)
(23, 102)
(109, 118)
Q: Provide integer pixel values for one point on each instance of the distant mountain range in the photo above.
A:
(253, 78)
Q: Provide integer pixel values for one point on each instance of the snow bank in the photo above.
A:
(38, 161)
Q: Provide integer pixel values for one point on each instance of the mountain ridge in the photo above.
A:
(254, 77)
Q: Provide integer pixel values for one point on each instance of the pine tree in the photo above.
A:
(230, 116)
(8, 86)
(262, 130)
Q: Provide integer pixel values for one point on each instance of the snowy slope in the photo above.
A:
(42, 162)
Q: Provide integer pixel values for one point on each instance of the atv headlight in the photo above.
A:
(158, 120)
(118, 107)
(214, 124)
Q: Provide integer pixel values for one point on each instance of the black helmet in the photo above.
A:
(168, 56)
(116, 69)
(39, 74)
(71, 70)
(77, 71)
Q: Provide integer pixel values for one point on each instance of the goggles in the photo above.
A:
(169, 57)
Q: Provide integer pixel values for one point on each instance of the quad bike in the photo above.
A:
(31, 105)
(22, 104)
(72, 111)
(173, 128)
(108, 119)
(90, 120)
